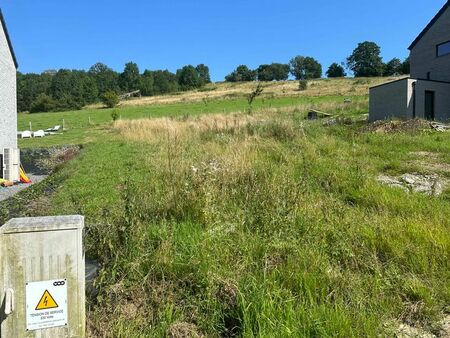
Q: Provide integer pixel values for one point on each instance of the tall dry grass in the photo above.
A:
(152, 130)
(156, 129)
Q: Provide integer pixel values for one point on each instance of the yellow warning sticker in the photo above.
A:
(46, 302)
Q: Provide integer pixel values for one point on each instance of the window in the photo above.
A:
(443, 49)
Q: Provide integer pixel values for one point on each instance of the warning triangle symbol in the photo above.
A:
(46, 302)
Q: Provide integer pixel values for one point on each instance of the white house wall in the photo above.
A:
(8, 102)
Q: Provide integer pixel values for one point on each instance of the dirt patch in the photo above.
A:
(227, 294)
(425, 154)
(445, 327)
(403, 330)
(430, 162)
(183, 330)
(395, 126)
(434, 167)
(407, 331)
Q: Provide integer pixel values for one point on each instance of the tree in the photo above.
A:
(336, 70)
(393, 67)
(405, 69)
(129, 80)
(147, 83)
(280, 71)
(64, 83)
(242, 73)
(29, 87)
(110, 99)
(89, 90)
(203, 74)
(365, 60)
(188, 78)
(253, 95)
(164, 82)
(305, 68)
(273, 72)
(72, 89)
(43, 103)
(264, 73)
(105, 77)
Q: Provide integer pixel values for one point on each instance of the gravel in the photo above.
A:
(8, 192)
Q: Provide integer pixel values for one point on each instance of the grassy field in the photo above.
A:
(83, 126)
(255, 225)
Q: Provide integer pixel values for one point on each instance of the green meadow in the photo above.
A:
(82, 125)
(210, 221)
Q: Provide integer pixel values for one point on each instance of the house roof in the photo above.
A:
(432, 22)
(5, 29)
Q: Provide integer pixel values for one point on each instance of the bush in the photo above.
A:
(114, 116)
(303, 85)
(110, 99)
(42, 104)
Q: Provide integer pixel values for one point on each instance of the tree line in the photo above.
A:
(365, 61)
(72, 89)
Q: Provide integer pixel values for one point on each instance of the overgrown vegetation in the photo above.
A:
(257, 225)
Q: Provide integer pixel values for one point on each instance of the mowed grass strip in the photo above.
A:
(264, 225)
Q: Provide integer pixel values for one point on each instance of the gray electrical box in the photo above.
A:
(42, 277)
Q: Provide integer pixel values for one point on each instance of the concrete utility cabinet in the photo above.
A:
(42, 277)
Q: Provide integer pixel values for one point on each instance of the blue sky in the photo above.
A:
(51, 34)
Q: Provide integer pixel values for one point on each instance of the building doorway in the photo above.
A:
(429, 105)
